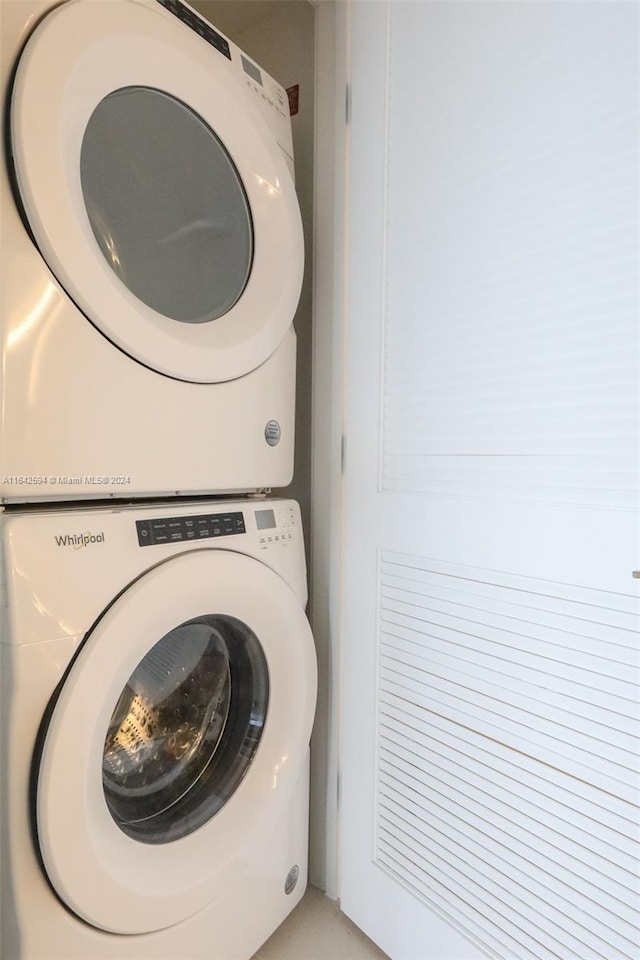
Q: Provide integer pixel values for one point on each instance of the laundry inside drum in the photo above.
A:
(169, 718)
(185, 728)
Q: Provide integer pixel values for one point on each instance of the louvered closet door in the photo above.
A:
(490, 784)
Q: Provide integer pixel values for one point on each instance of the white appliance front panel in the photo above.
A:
(63, 567)
(111, 880)
(33, 917)
(58, 101)
(76, 410)
(80, 418)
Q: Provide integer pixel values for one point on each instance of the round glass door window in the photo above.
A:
(166, 204)
(185, 729)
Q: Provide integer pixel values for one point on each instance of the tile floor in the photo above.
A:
(317, 930)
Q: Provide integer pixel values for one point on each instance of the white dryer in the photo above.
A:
(151, 256)
(158, 689)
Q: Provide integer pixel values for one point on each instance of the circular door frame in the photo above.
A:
(106, 47)
(110, 880)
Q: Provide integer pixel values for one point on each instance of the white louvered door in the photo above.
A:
(490, 708)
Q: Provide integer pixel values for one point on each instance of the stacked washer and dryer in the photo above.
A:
(157, 671)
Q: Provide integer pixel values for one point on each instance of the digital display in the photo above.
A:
(265, 519)
(252, 70)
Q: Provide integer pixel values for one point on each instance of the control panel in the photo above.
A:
(270, 525)
(198, 527)
(271, 95)
(192, 20)
(264, 87)
(275, 525)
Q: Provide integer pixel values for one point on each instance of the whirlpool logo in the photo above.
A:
(79, 540)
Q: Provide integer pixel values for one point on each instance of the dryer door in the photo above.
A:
(179, 731)
(155, 188)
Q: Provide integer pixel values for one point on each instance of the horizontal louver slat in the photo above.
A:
(569, 923)
(500, 775)
(560, 810)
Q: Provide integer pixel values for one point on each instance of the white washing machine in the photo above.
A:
(151, 256)
(158, 688)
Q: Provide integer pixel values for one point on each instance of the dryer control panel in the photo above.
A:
(197, 23)
(267, 94)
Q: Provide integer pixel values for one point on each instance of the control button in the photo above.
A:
(174, 529)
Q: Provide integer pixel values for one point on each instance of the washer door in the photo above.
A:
(155, 190)
(179, 730)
